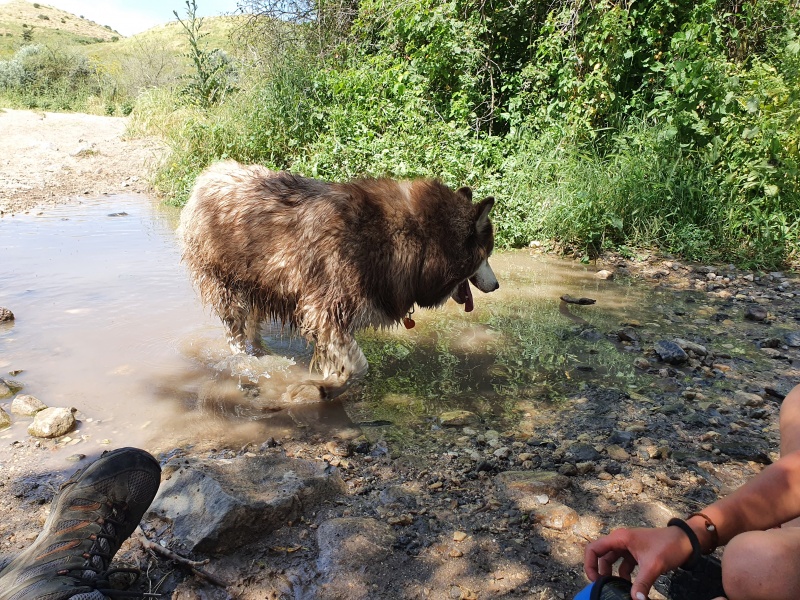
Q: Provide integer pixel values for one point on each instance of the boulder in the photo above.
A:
(216, 506)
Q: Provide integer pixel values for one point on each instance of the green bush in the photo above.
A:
(661, 123)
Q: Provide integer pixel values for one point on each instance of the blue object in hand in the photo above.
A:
(606, 588)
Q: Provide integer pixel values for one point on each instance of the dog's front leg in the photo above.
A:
(342, 362)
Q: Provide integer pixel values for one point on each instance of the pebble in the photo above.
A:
(459, 536)
(5, 419)
(5, 315)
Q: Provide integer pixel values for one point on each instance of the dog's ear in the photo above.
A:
(466, 192)
(482, 213)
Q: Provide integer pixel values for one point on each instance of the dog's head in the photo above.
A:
(477, 248)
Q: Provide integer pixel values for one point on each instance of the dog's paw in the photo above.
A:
(307, 392)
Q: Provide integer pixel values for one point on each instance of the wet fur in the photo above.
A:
(325, 258)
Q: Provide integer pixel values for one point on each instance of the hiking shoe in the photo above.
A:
(91, 515)
(703, 582)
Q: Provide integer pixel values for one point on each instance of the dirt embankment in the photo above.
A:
(52, 158)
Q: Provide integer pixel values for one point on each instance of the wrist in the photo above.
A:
(687, 533)
(705, 530)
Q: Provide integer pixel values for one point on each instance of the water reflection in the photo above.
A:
(108, 322)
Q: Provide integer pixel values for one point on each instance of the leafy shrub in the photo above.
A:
(662, 123)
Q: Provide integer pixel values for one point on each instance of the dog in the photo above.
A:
(327, 259)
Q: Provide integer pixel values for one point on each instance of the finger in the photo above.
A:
(595, 561)
(645, 579)
(627, 566)
(605, 563)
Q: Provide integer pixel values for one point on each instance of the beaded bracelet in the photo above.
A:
(696, 548)
(710, 528)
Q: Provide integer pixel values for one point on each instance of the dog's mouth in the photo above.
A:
(463, 295)
(483, 279)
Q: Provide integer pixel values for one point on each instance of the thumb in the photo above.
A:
(644, 581)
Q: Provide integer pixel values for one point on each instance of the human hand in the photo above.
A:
(656, 551)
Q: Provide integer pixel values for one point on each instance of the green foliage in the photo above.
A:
(658, 123)
(48, 78)
(213, 71)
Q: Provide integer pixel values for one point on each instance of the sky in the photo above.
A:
(134, 16)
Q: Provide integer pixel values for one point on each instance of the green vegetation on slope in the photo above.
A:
(23, 23)
(70, 63)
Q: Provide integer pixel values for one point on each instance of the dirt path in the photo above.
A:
(53, 158)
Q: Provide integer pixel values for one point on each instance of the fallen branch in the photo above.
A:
(195, 566)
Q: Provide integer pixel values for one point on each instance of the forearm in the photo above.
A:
(766, 501)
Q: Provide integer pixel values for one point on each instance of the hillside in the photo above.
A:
(46, 25)
(167, 37)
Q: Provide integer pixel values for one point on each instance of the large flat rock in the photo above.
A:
(216, 506)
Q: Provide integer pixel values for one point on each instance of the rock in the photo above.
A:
(617, 453)
(583, 452)
(670, 352)
(747, 398)
(755, 312)
(404, 495)
(568, 469)
(52, 422)
(5, 419)
(555, 515)
(524, 487)
(604, 274)
(9, 387)
(793, 339)
(641, 363)
(688, 346)
(628, 334)
(458, 418)
(217, 506)
(26, 405)
(503, 452)
(339, 448)
(581, 301)
(752, 449)
(5, 315)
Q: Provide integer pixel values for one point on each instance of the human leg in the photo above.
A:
(763, 565)
(790, 422)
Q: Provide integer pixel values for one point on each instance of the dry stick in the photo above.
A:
(193, 565)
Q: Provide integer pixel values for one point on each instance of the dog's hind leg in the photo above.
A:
(342, 362)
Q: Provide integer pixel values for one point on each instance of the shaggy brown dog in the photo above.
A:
(330, 258)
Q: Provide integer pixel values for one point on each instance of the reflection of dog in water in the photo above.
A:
(330, 258)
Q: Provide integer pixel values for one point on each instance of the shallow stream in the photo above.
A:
(107, 321)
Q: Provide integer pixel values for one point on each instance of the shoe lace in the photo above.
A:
(97, 576)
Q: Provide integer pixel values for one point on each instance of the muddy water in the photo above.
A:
(107, 322)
